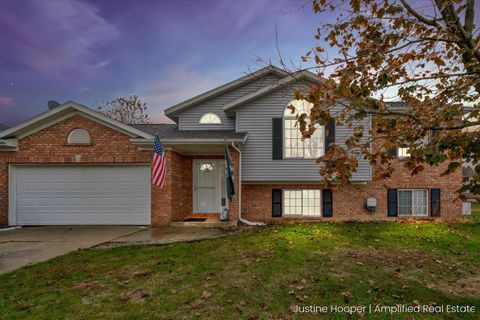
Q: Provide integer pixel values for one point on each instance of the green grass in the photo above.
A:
(476, 212)
(258, 274)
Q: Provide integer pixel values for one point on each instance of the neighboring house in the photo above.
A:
(72, 165)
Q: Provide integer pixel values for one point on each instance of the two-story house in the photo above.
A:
(72, 165)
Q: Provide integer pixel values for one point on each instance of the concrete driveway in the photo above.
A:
(167, 235)
(27, 245)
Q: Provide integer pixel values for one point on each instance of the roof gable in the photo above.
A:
(65, 111)
(173, 111)
(298, 76)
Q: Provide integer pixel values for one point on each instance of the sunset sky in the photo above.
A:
(163, 51)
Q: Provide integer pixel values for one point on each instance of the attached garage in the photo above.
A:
(79, 195)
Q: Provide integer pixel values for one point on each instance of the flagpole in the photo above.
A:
(225, 173)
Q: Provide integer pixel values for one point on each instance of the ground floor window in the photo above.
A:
(302, 202)
(413, 202)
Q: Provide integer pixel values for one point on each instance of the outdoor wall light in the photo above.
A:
(371, 205)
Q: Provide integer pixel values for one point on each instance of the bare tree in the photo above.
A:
(126, 110)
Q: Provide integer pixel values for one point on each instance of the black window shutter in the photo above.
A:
(329, 133)
(277, 138)
(276, 202)
(435, 202)
(392, 202)
(392, 152)
(327, 203)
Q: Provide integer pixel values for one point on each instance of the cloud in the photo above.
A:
(101, 64)
(238, 16)
(6, 101)
(55, 37)
(249, 13)
(176, 85)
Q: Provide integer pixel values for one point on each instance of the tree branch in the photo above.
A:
(471, 56)
(413, 12)
(458, 127)
(432, 78)
(469, 17)
(440, 39)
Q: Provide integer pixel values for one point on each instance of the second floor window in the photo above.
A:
(402, 152)
(210, 118)
(294, 147)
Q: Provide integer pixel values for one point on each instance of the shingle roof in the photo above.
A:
(3, 127)
(67, 109)
(397, 105)
(170, 131)
(170, 112)
(402, 106)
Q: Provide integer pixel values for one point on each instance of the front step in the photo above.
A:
(204, 224)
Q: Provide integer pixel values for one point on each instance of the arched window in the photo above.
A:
(294, 147)
(206, 167)
(210, 118)
(79, 136)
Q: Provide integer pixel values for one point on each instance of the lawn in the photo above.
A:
(259, 274)
(475, 212)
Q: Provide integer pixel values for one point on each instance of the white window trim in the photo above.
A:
(210, 123)
(302, 215)
(413, 215)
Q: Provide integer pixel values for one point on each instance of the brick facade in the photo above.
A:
(175, 201)
(108, 146)
(349, 201)
(49, 146)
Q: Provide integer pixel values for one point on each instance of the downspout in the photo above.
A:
(244, 221)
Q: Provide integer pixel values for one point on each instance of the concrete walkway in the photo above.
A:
(28, 245)
(156, 236)
(23, 246)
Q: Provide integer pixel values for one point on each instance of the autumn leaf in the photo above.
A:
(390, 51)
(206, 295)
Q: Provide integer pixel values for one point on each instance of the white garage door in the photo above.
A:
(80, 195)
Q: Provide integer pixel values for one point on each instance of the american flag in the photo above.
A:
(159, 164)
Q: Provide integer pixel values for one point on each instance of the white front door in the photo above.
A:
(207, 184)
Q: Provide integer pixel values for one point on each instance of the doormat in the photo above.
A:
(195, 219)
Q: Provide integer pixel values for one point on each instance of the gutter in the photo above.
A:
(166, 141)
(244, 221)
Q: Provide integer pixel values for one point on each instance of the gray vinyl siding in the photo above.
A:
(188, 119)
(255, 118)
